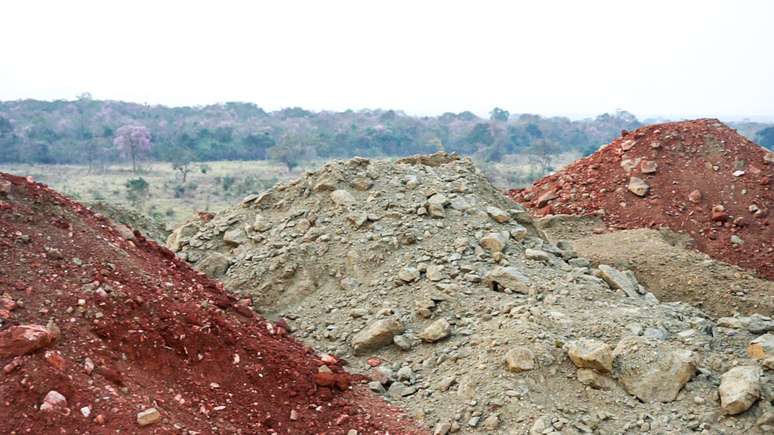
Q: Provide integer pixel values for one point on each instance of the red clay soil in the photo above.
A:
(158, 333)
(708, 181)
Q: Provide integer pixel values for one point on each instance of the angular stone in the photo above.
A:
(214, 265)
(648, 167)
(494, 242)
(520, 359)
(498, 215)
(437, 330)
(638, 186)
(651, 370)
(507, 277)
(739, 388)
(593, 379)
(436, 204)
(54, 402)
(590, 354)
(695, 196)
(762, 347)
(25, 339)
(342, 197)
(434, 272)
(235, 237)
(376, 335)
(538, 255)
(408, 274)
(261, 223)
(148, 417)
(180, 235)
(546, 197)
(618, 280)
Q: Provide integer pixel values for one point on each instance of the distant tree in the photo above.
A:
(291, 150)
(133, 141)
(542, 153)
(498, 114)
(766, 138)
(137, 191)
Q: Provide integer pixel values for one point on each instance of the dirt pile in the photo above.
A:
(698, 177)
(104, 331)
(132, 219)
(424, 276)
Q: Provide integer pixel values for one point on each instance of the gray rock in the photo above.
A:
(494, 242)
(591, 354)
(618, 280)
(342, 197)
(638, 186)
(520, 359)
(436, 204)
(376, 335)
(434, 272)
(498, 215)
(507, 277)
(438, 330)
(214, 265)
(408, 274)
(235, 237)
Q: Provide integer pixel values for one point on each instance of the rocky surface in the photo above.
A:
(703, 179)
(501, 331)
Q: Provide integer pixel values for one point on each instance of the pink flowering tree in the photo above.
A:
(133, 141)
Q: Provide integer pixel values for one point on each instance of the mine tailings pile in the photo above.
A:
(697, 177)
(103, 331)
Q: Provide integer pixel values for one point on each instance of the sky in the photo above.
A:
(575, 58)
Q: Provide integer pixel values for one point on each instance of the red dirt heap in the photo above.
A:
(102, 333)
(698, 177)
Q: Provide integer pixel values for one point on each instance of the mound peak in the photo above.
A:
(697, 177)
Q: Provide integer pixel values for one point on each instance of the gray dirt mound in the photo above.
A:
(422, 275)
(131, 219)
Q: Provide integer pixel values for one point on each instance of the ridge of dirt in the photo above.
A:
(137, 328)
(423, 275)
(702, 178)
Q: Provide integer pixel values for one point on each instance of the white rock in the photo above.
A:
(739, 388)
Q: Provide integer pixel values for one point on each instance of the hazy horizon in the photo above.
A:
(577, 59)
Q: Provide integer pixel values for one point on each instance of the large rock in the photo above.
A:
(437, 330)
(376, 335)
(762, 347)
(520, 359)
(739, 388)
(54, 402)
(507, 277)
(756, 323)
(148, 417)
(214, 265)
(498, 215)
(342, 197)
(235, 237)
(638, 186)
(24, 339)
(180, 235)
(590, 354)
(436, 204)
(494, 242)
(618, 280)
(408, 274)
(651, 370)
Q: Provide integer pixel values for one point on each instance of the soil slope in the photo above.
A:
(135, 328)
(698, 177)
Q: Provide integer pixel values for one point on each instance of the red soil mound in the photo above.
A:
(702, 178)
(115, 324)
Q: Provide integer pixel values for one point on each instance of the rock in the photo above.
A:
(261, 224)
(618, 281)
(651, 370)
(628, 165)
(498, 215)
(5, 188)
(492, 422)
(54, 402)
(408, 274)
(507, 277)
(214, 265)
(628, 144)
(399, 390)
(235, 237)
(762, 347)
(538, 255)
(376, 335)
(434, 272)
(459, 203)
(541, 426)
(437, 330)
(180, 235)
(546, 197)
(342, 197)
(25, 339)
(124, 231)
(148, 417)
(361, 183)
(648, 167)
(403, 342)
(756, 323)
(494, 242)
(695, 196)
(442, 428)
(638, 186)
(436, 204)
(593, 379)
(518, 232)
(590, 354)
(739, 388)
(736, 240)
(520, 359)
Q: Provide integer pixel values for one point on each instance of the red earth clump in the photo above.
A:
(117, 324)
(703, 179)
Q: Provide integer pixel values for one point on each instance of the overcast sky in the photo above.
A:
(670, 58)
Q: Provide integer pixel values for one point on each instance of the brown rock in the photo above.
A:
(638, 186)
(591, 354)
(24, 339)
(546, 197)
(648, 167)
(695, 196)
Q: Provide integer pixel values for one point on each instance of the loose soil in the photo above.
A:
(159, 333)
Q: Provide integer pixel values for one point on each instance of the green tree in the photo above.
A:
(291, 150)
(137, 191)
(498, 114)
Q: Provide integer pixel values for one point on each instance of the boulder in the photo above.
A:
(342, 197)
(618, 280)
(148, 417)
(376, 335)
(590, 354)
(437, 330)
(436, 204)
(261, 224)
(54, 402)
(25, 339)
(507, 277)
(494, 242)
(214, 265)
(739, 388)
(180, 235)
(651, 370)
(638, 186)
(520, 359)
(235, 237)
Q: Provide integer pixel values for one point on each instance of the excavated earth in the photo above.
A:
(699, 177)
(424, 276)
(103, 331)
